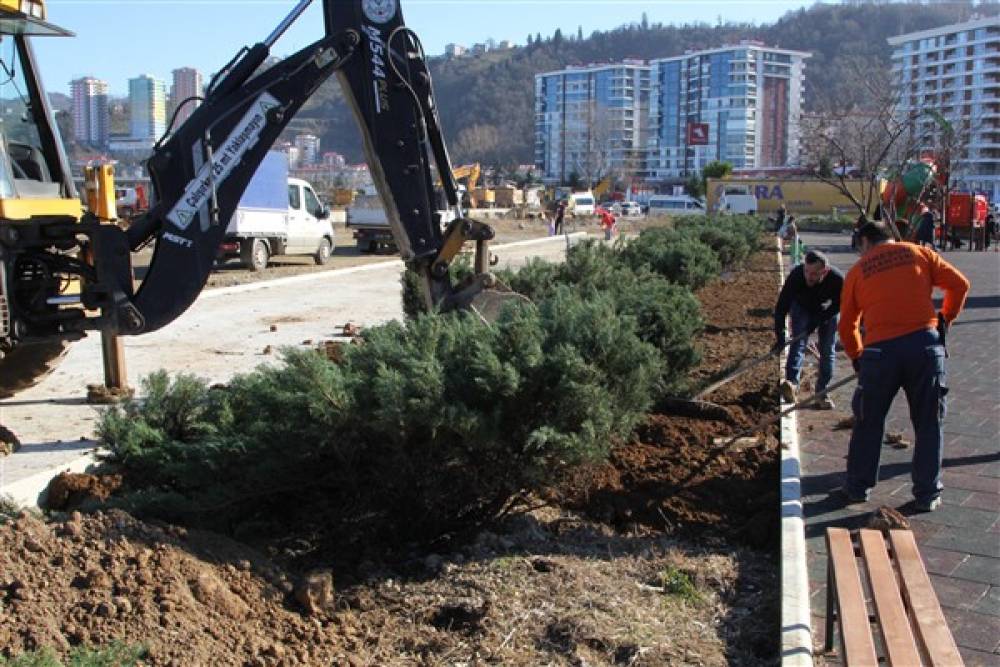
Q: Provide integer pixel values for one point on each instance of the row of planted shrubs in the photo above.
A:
(437, 421)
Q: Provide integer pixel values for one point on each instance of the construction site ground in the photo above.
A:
(345, 254)
(960, 542)
(665, 555)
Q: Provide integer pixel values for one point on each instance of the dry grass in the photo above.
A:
(557, 590)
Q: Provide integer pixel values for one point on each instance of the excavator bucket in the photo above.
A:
(490, 302)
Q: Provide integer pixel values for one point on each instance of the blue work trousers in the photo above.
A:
(915, 363)
(827, 332)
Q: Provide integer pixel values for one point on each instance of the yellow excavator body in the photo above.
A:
(36, 186)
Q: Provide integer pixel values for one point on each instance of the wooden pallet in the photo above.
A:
(911, 627)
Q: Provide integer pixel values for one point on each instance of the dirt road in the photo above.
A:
(345, 255)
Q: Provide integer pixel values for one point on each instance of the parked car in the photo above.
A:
(626, 209)
(581, 204)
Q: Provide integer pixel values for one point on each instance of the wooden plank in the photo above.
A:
(855, 630)
(932, 628)
(900, 646)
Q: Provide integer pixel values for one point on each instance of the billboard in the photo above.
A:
(697, 134)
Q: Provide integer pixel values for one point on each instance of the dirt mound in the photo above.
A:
(69, 490)
(674, 476)
(99, 394)
(191, 598)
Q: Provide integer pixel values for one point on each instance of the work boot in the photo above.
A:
(927, 505)
(847, 497)
(825, 403)
(788, 390)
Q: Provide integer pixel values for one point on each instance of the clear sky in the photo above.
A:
(119, 39)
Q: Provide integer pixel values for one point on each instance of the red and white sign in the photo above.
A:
(697, 134)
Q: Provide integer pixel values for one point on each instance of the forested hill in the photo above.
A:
(487, 101)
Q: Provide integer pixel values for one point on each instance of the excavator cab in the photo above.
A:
(34, 172)
(36, 191)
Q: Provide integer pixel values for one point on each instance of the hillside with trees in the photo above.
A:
(487, 101)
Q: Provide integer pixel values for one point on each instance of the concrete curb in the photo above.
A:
(796, 618)
(336, 273)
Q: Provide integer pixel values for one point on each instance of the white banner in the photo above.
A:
(243, 137)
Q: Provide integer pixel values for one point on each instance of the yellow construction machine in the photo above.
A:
(469, 173)
(39, 205)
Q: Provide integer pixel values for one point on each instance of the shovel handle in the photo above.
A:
(798, 406)
(748, 366)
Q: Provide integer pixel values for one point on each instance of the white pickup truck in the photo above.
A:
(278, 215)
(366, 217)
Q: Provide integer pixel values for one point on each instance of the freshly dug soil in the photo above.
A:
(548, 588)
(9, 442)
(69, 490)
(99, 394)
(676, 473)
(191, 598)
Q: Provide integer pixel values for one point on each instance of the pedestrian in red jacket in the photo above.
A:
(607, 222)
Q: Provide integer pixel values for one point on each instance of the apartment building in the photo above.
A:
(148, 107)
(590, 121)
(955, 71)
(188, 83)
(739, 104)
(91, 114)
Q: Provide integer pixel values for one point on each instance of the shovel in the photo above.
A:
(798, 406)
(750, 365)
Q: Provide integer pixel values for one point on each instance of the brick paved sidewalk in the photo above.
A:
(960, 542)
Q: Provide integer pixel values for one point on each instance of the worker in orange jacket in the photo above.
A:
(890, 288)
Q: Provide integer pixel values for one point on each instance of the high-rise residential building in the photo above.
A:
(91, 116)
(148, 102)
(955, 71)
(590, 121)
(188, 83)
(334, 160)
(308, 145)
(454, 50)
(739, 104)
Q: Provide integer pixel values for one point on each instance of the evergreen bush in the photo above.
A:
(426, 426)
(677, 256)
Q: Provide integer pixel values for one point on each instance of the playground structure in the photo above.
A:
(924, 184)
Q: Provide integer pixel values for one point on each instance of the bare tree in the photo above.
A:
(477, 142)
(595, 139)
(853, 147)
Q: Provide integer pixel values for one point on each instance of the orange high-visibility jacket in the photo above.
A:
(891, 287)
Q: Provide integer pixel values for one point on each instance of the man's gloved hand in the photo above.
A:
(856, 364)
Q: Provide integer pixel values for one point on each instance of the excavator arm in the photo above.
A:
(202, 170)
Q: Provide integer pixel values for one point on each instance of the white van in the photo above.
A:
(675, 205)
(581, 203)
(278, 215)
(738, 204)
